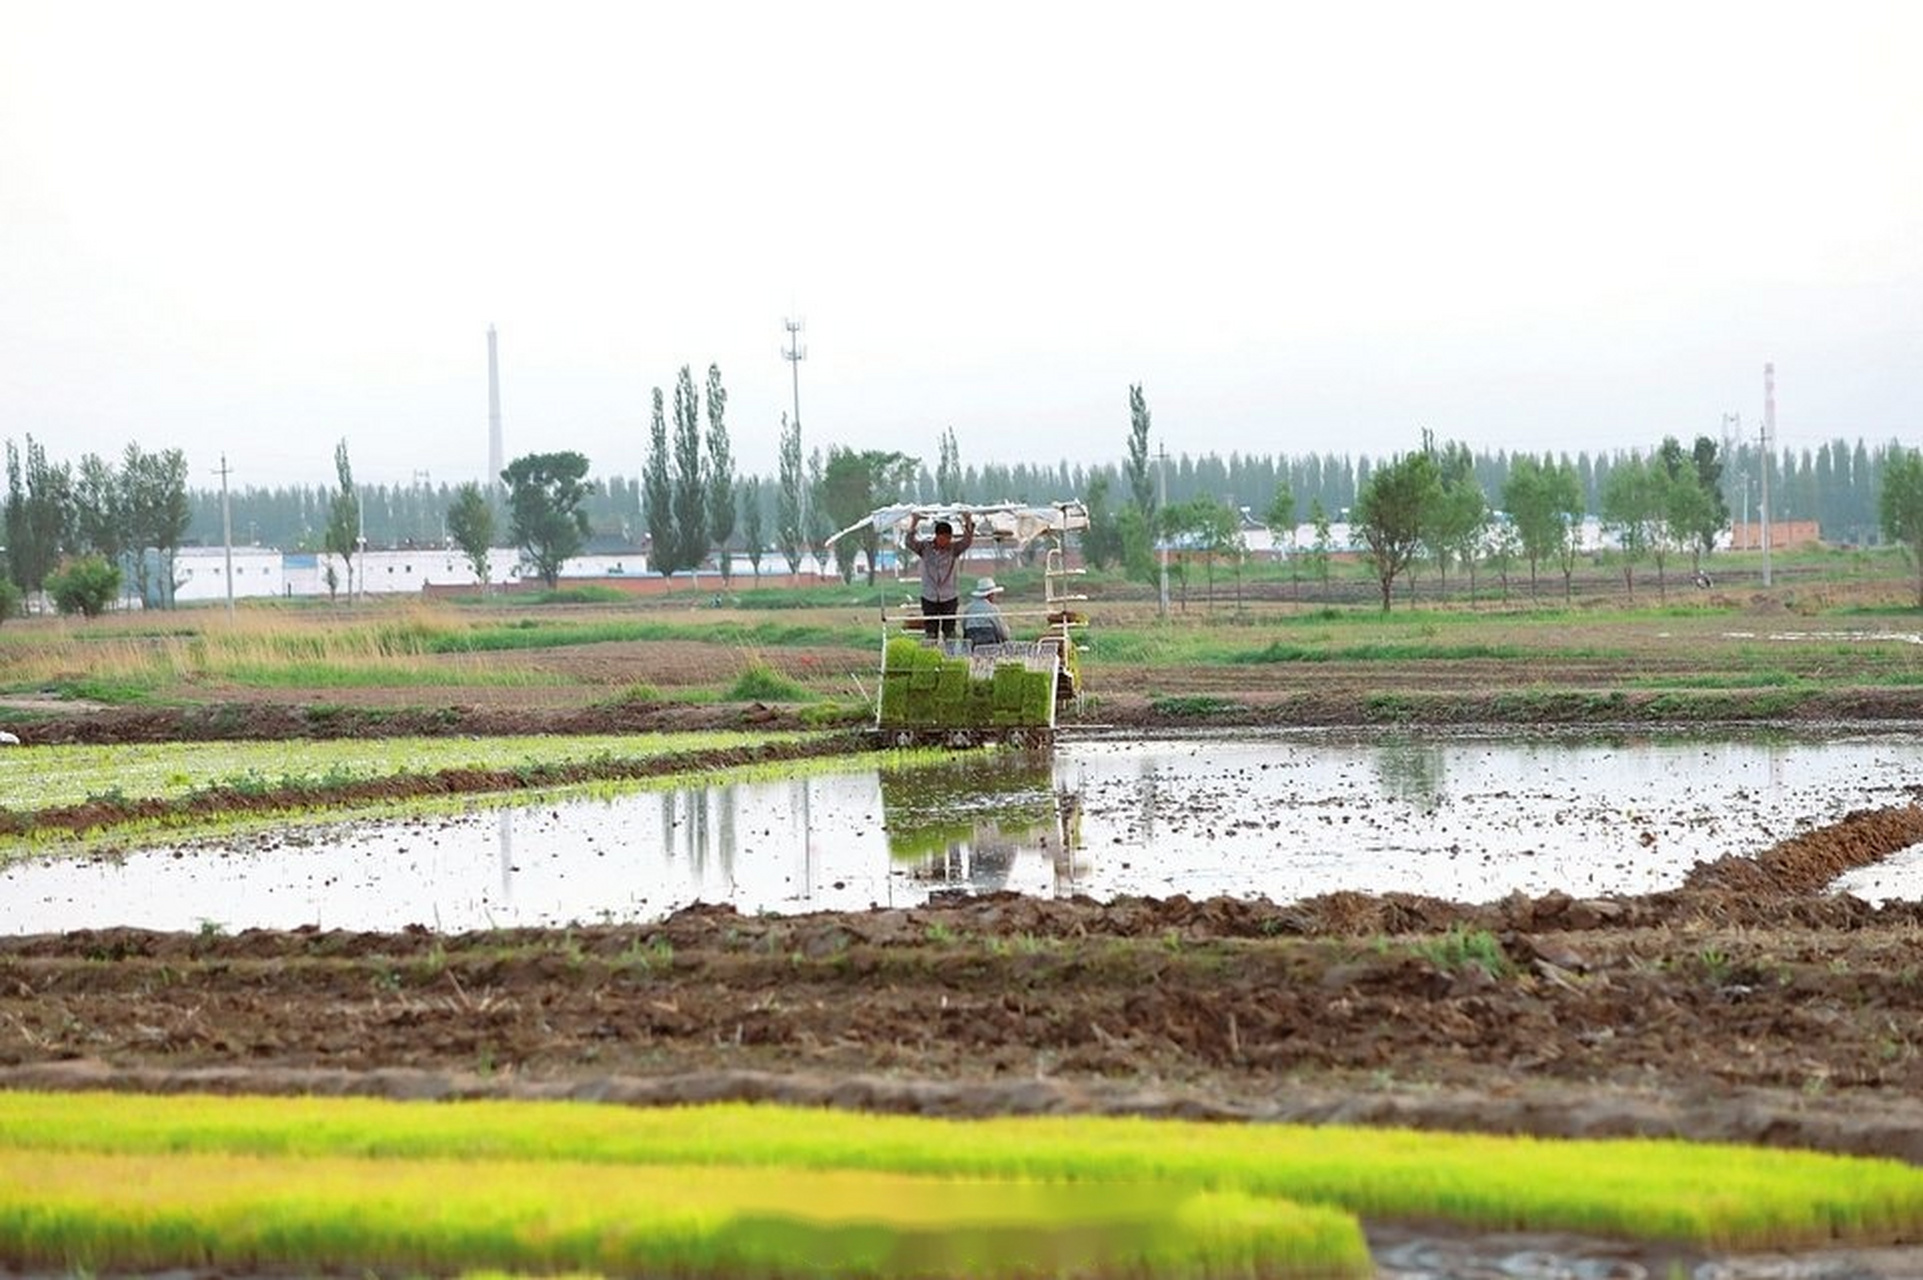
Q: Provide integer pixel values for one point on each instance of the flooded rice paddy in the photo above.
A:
(1284, 816)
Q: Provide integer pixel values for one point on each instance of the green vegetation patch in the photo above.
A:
(43, 777)
(545, 633)
(1712, 1195)
(88, 1212)
(762, 683)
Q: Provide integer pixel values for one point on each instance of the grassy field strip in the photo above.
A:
(90, 1212)
(42, 777)
(1709, 1195)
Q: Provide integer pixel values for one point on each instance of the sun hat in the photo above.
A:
(985, 587)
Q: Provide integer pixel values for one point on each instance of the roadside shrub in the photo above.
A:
(85, 586)
(9, 599)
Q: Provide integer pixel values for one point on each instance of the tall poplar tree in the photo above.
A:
(948, 469)
(690, 502)
(1141, 485)
(720, 471)
(344, 515)
(752, 532)
(658, 491)
(791, 526)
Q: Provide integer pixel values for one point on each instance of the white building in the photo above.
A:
(200, 574)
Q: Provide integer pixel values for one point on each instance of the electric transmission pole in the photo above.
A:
(794, 353)
(1161, 513)
(1769, 432)
(227, 535)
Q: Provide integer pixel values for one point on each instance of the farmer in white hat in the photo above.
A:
(982, 622)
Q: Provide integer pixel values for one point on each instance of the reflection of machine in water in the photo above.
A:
(965, 824)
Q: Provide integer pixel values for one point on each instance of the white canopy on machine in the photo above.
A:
(1006, 522)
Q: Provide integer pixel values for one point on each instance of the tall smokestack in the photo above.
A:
(495, 462)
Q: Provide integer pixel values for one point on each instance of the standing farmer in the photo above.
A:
(940, 557)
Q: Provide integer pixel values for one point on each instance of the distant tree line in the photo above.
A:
(689, 501)
(1835, 485)
(79, 533)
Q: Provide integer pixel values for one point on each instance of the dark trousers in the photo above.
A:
(938, 617)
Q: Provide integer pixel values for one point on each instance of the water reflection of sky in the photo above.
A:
(1282, 817)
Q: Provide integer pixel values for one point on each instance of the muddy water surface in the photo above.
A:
(1283, 816)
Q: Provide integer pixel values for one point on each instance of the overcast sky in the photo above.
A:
(262, 227)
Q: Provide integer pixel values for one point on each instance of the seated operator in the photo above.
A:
(982, 621)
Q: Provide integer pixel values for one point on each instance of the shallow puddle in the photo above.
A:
(1282, 816)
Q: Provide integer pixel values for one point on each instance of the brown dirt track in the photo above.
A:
(1746, 1005)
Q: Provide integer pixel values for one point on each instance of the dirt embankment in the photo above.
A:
(1190, 702)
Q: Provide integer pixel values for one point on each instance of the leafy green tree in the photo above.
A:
(39, 516)
(1280, 515)
(1141, 484)
(690, 488)
(1389, 513)
(1211, 529)
(1322, 550)
(1686, 509)
(719, 471)
(816, 520)
(10, 598)
(1632, 508)
(545, 516)
(663, 546)
(1138, 544)
(852, 486)
(158, 512)
(343, 536)
(1526, 497)
(1459, 513)
(1505, 544)
(100, 508)
(791, 536)
(1707, 457)
(1102, 540)
(1899, 504)
(751, 531)
(470, 522)
(85, 586)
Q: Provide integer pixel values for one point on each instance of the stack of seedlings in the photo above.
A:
(923, 688)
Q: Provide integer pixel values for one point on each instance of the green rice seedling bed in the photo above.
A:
(1709, 1195)
(89, 1212)
(41, 777)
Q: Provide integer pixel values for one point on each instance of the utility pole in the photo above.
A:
(794, 353)
(1161, 510)
(227, 535)
(1732, 435)
(1769, 433)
